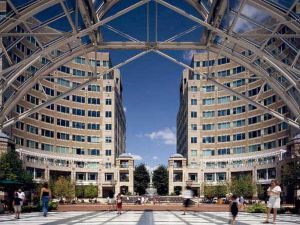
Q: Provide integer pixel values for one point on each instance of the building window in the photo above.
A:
(63, 136)
(108, 127)
(194, 126)
(208, 114)
(210, 88)
(93, 126)
(224, 138)
(108, 114)
(270, 145)
(224, 99)
(282, 126)
(108, 139)
(31, 129)
(270, 130)
(208, 101)
(193, 177)
(224, 125)
(93, 139)
(208, 140)
(208, 127)
(193, 140)
(238, 110)
(93, 113)
(20, 125)
(47, 133)
(78, 112)
(224, 151)
(63, 123)
(94, 101)
(108, 165)
(254, 148)
(47, 147)
(221, 177)
(109, 176)
(210, 177)
(62, 109)
(78, 125)
(238, 83)
(254, 134)
(47, 119)
(94, 88)
(239, 150)
(32, 144)
(253, 120)
(108, 101)
(79, 138)
(107, 152)
(193, 101)
(270, 100)
(239, 137)
(208, 152)
(224, 112)
(108, 88)
(194, 114)
(193, 88)
(193, 152)
(79, 99)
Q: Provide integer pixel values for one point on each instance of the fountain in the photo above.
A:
(151, 191)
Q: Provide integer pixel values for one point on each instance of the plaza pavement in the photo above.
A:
(141, 218)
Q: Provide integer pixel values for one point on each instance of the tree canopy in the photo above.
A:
(64, 188)
(161, 180)
(141, 179)
(243, 186)
(12, 172)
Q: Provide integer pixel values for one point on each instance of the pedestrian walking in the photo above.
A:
(234, 209)
(187, 196)
(274, 200)
(17, 205)
(119, 203)
(21, 195)
(242, 202)
(45, 197)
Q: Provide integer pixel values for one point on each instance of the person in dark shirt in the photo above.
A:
(17, 205)
(45, 197)
(234, 208)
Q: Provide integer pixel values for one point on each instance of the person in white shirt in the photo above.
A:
(187, 196)
(274, 200)
(21, 195)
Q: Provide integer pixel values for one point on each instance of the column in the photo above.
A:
(99, 184)
(254, 178)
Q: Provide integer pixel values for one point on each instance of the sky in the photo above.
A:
(151, 83)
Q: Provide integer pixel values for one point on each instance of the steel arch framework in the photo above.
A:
(282, 76)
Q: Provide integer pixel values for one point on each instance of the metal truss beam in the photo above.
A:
(241, 43)
(235, 93)
(90, 80)
(293, 106)
(73, 38)
(278, 14)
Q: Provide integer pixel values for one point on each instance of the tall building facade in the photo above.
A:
(220, 136)
(81, 136)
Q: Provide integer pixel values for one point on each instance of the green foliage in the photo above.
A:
(260, 192)
(91, 191)
(11, 169)
(38, 207)
(257, 208)
(161, 180)
(141, 179)
(243, 186)
(64, 188)
(79, 191)
(218, 191)
(290, 174)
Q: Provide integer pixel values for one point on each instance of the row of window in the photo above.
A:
(61, 122)
(82, 60)
(235, 137)
(212, 62)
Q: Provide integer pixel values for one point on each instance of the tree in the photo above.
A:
(243, 186)
(11, 169)
(141, 179)
(218, 191)
(290, 179)
(91, 191)
(64, 188)
(13, 175)
(161, 180)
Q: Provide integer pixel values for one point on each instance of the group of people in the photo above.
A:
(19, 199)
(237, 203)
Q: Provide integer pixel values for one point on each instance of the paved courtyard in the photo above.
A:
(140, 218)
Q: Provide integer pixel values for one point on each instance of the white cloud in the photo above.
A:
(167, 135)
(136, 157)
(125, 109)
(154, 157)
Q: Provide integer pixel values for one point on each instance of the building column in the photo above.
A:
(73, 175)
(201, 174)
(99, 184)
(254, 179)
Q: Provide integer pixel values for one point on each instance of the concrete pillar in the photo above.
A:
(99, 184)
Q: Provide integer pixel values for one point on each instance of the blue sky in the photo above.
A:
(151, 83)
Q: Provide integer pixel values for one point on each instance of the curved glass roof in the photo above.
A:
(262, 36)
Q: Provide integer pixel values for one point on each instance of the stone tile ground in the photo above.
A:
(141, 218)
